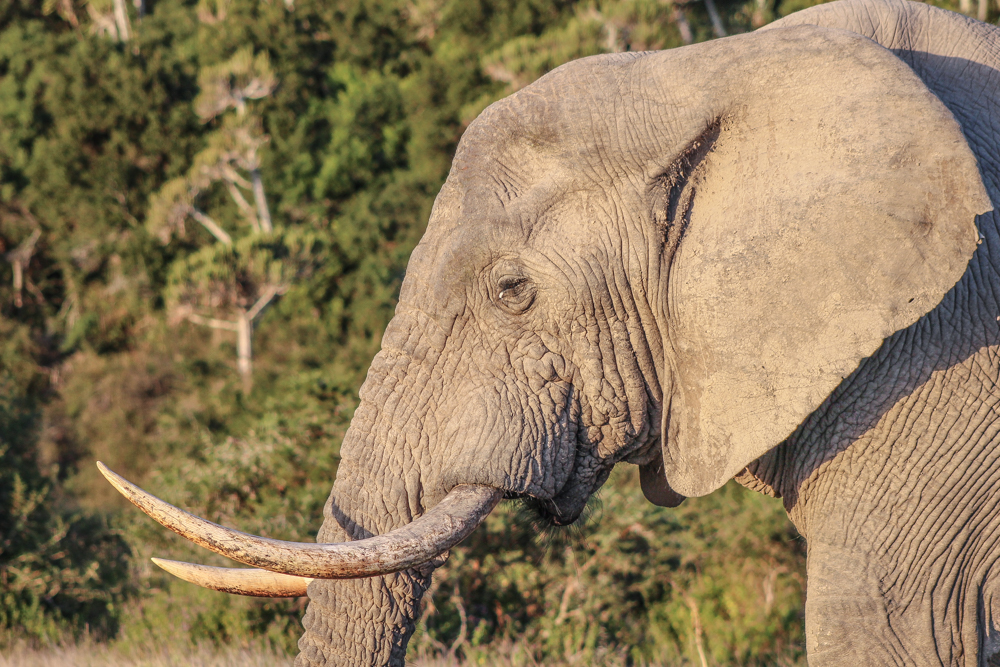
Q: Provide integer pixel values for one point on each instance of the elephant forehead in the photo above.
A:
(584, 127)
(502, 204)
(473, 247)
(541, 133)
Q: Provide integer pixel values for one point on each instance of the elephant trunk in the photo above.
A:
(362, 622)
(380, 487)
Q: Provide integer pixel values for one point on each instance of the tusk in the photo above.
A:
(442, 527)
(238, 580)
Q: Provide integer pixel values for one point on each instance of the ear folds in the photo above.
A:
(835, 207)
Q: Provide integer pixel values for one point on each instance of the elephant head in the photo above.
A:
(668, 259)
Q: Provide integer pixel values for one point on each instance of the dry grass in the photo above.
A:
(91, 654)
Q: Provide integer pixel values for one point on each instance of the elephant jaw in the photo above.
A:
(442, 527)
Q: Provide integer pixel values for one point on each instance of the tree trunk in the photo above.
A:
(760, 12)
(121, 21)
(687, 36)
(18, 283)
(244, 362)
(263, 213)
(713, 15)
(612, 43)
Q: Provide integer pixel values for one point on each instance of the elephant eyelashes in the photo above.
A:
(516, 294)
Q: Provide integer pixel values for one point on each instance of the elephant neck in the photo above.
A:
(893, 483)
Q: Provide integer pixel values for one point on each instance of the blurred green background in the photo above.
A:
(178, 174)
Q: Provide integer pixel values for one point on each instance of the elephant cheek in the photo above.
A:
(512, 436)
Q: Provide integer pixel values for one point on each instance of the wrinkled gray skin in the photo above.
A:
(672, 259)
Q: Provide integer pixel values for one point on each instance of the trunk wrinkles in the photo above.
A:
(362, 622)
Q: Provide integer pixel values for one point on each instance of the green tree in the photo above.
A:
(231, 158)
(61, 570)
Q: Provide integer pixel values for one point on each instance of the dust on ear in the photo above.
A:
(835, 206)
(671, 194)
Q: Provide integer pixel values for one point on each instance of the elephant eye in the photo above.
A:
(515, 294)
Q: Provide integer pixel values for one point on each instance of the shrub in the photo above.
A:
(60, 570)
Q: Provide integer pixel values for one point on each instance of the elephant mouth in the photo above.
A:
(568, 507)
(546, 513)
(284, 569)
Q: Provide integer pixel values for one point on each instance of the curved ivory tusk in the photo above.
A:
(239, 580)
(442, 527)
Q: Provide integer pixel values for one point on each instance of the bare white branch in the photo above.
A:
(713, 15)
(19, 258)
(213, 227)
(18, 282)
(121, 19)
(243, 204)
(102, 24)
(258, 194)
(244, 352)
(212, 322)
(37, 293)
(270, 292)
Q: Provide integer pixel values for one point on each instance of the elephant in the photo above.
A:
(771, 257)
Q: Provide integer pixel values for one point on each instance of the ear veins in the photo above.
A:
(671, 194)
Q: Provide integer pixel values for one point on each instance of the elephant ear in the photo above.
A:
(830, 203)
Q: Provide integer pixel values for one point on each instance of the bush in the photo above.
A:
(719, 579)
(60, 571)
